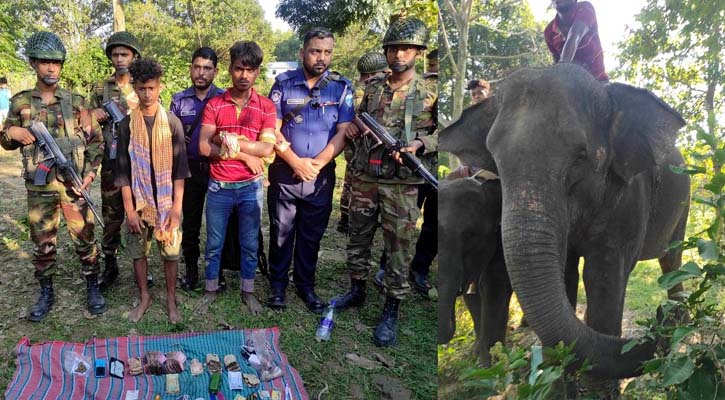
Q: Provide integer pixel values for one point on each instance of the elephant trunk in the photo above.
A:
(450, 280)
(534, 233)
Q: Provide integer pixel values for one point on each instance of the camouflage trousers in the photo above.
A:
(44, 209)
(112, 211)
(398, 211)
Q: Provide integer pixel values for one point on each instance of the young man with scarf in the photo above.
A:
(150, 170)
(237, 132)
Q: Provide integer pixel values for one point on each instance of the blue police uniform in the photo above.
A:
(299, 211)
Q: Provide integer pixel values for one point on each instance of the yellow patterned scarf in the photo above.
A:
(154, 211)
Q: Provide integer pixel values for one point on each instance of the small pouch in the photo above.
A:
(231, 363)
(213, 364)
(135, 367)
(172, 384)
(196, 367)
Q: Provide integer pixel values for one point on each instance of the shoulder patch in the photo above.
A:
(276, 96)
(20, 94)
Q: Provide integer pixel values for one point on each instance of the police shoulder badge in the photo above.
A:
(348, 100)
(276, 96)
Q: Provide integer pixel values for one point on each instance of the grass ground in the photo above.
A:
(323, 366)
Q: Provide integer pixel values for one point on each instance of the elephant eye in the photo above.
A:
(581, 155)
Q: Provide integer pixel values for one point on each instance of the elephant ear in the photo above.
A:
(466, 138)
(643, 129)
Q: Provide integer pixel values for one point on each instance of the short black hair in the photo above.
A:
(316, 33)
(478, 83)
(3, 80)
(433, 54)
(247, 52)
(145, 69)
(206, 53)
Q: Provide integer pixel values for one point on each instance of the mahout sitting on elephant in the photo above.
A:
(584, 171)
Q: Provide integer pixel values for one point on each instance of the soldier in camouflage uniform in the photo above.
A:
(122, 48)
(372, 64)
(403, 102)
(79, 136)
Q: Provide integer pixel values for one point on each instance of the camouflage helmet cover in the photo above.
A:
(410, 31)
(372, 62)
(125, 39)
(45, 46)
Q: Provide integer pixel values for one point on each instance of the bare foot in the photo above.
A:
(252, 304)
(203, 305)
(137, 313)
(174, 315)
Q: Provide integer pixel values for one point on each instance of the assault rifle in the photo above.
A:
(54, 156)
(116, 116)
(368, 124)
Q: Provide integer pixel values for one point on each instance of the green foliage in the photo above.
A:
(532, 374)
(500, 36)
(288, 47)
(692, 365)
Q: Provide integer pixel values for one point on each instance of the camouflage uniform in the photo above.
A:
(112, 202)
(46, 202)
(381, 186)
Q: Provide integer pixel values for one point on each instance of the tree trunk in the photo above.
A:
(119, 18)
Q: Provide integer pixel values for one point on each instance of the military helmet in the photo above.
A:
(124, 39)
(411, 31)
(45, 46)
(371, 63)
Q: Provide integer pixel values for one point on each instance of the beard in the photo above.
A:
(122, 71)
(402, 67)
(203, 86)
(314, 71)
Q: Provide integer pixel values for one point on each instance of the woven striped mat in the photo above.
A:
(39, 367)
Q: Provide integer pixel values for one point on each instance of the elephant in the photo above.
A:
(584, 171)
(470, 252)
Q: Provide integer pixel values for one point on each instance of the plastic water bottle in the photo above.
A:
(327, 322)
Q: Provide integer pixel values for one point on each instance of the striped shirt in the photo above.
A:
(226, 115)
(589, 53)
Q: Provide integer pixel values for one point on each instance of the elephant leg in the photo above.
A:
(495, 299)
(473, 302)
(605, 280)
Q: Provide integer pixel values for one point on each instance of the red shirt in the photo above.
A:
(589, 54)
(221, 112)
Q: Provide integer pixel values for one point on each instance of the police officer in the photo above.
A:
(371, 64)
(402, 102)
(49, 193)
(314, 107)
(121, 49)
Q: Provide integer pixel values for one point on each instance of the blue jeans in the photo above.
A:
(220, 202)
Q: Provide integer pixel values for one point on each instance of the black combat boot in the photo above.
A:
(354, 298)
(110, 273)
(95, 303)
(41, 307)
(386, 333)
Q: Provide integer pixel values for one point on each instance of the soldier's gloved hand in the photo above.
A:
(413, 147)
(133, 221)
(21, 135)
(352, 131)
(100, 115)
(306, 169)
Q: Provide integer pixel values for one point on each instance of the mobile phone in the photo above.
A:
(100, 367)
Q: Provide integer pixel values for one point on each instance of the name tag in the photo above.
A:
(187, 113)
(295, 101)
